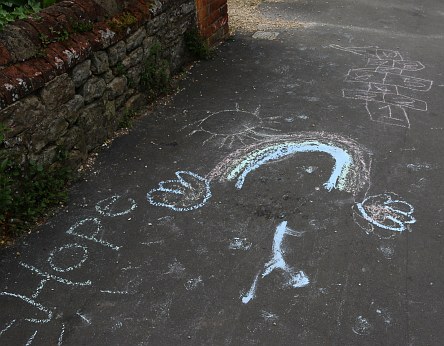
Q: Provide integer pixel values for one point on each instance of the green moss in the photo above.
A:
(120, 23)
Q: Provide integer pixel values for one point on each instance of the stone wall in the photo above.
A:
(69, 75)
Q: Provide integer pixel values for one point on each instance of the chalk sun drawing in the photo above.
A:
(188, 192)
(277, 262)
(386, 211)
(232, 125)
(382, 83)
(350, 173)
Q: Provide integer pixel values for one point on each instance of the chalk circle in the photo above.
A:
(59, 252)
(106, 207)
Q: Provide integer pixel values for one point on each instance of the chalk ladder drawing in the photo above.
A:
(351, 170)
(228, 126)
(295, 278)
(188, 192)
(386, 211)
(382, 83)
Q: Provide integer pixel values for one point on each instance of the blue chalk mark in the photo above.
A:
(182, 188)
(253, 161)
(390, 213)
(298, 279)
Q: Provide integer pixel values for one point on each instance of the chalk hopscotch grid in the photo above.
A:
(385, 79)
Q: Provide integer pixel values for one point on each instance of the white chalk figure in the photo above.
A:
(188, 192)
(294, 278)
(382, 84)
(107, 206)
(232, 125)
(386, 211)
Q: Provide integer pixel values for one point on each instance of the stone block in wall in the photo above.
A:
(81, 73)
(136, 102)
(154, 25)
(134, 58)
(74, 139)
(92, 121)
(70, 111)
(46, 133)
(116, 53)
(60, 90)
(22, 115)
(134, 74)
(111, 121)
(116, 87)
(93, 89)
(108, 76)
(136, 39)
(100, 63)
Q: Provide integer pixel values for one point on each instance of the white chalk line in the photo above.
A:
(31, 339)
(32, 303)
(60, 340)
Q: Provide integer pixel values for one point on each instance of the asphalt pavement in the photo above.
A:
(290, 194)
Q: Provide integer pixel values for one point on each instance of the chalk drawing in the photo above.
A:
(350, 173)
(362, 326)
(31, 339)
(386, 211)
(382, 84)
(96, 235)
(192, 284)
(239, 244)
(48, 313)
(294, 278)
(106, 207)
(232, 125)
(72, 267)
(188, 192)
(83, 317)
(7, 326)
(268, 316)
(114, 292)
(387, 251)
(55, 277)
(60, 340)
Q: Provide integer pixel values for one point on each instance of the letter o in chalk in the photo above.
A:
(72, 267)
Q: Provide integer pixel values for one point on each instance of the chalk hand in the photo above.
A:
(188, 192)
(387, 211)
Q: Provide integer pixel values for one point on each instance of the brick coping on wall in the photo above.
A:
(26, 64)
